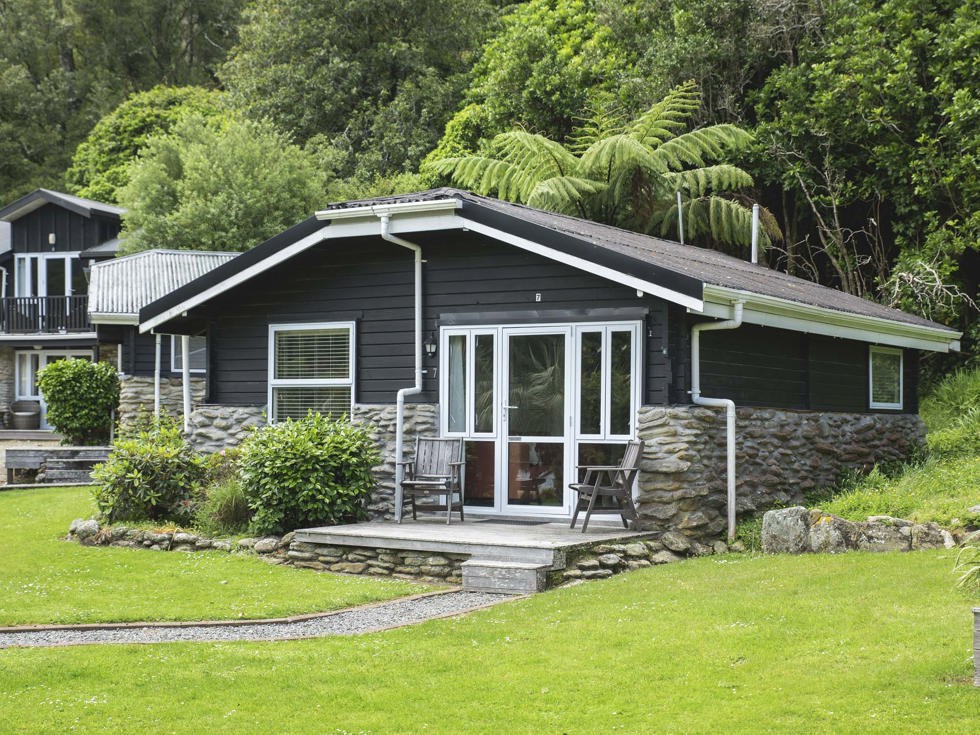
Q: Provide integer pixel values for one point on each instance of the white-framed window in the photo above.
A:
(885, 377)
(608, 361)
(311, 368)
(198, 354)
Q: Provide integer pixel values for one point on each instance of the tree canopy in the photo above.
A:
(216, 184)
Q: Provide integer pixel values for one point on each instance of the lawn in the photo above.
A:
(46, 580)
(859, 643)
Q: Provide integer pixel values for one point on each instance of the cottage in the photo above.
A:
(547, 342)
(48, 242)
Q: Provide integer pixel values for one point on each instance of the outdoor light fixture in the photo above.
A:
(430, 345)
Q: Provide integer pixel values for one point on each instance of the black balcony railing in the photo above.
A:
(45, 315)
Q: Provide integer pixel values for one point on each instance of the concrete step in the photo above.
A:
(507, 577)
(53, 476)
(71, 464)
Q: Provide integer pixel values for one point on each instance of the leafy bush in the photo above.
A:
(952, 413)
(310, 472)
(151, 474)
(80, 396)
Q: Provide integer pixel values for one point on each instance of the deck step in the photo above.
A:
(507, 577)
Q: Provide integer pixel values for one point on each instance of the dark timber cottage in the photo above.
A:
(546, 342)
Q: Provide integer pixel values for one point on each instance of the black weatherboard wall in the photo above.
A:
(73, 232)
(370, 282)
(762, 366)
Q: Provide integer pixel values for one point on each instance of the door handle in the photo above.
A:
(511, 406)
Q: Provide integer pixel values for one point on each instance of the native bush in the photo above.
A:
(310, 472)
(152, 474)
(224, 509)
(80, 397)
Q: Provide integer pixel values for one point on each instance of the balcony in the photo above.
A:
(45, 315)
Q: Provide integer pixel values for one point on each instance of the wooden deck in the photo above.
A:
(496, 548)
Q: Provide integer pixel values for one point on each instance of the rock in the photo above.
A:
(786, 530)
(698, 549)
(832, 535)
(597, 574)
(267, 545)
(286, 540)
(347, 567)
(879, 536)
(927, 536)
(635, 550)
(246, 543)
(184, 538)
(119, 532)
(221, 545)
(974, 510)
(664, 557)
(736, 547)
(86, 529)
(74, 525)
(676, 542)
(300, 555)
(634, 564)
(610, 561)
(588, 564)
(720, 547)
(889, 521)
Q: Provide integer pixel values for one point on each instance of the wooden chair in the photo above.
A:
(435, 470)
(610, 482)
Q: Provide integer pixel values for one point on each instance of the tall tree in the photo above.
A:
(101, 163)
(626, 174)
(216, 184)
(372, 81)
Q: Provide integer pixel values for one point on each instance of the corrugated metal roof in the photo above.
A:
(123, 286)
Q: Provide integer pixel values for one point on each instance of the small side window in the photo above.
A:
(198, 353)
(885, 377)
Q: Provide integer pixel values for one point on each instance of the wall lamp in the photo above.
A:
(430, 346)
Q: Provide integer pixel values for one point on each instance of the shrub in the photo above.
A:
(151, 474)
(80, 396)
(310, 472)
(224, 510)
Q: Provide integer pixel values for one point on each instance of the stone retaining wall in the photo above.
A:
(136, 395)
(780, 455)
(215, 427)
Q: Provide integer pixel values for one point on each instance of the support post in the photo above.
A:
(185, 354)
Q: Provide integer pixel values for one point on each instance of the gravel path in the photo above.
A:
(346, 622)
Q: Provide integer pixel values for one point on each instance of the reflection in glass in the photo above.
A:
(590, 399)
(457, 383)
(621, 359)
(535, 472)
(483, 383)
(479, 475)
(537, 385)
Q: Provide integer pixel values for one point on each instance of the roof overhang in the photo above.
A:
(113, 318)
(769, 311)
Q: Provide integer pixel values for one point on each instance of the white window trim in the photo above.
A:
(31, 262)
(175, 350)
(875, 349)
(273, 382)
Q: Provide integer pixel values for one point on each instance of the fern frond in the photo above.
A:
(532, 158)
(476, 173)
(660, 123)
(601, 122)
(618, 153)
(564, 194)
(725, 220)
(699, 182)
(698, 146)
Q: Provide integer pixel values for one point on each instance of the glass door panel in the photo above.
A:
(536, 417)
(480, 475)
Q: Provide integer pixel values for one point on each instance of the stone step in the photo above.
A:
(507, 577)
(54, 476)
(71, 464)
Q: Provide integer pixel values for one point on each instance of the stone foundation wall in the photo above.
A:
(215, 427)
(780, 455)
(136, 393)
(7, 388)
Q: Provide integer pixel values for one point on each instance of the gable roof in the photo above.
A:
(704, 281)
(119, 288)
(38, 198)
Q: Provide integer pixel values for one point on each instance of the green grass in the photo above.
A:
(854, 643)
(939, 490)
(46, 580)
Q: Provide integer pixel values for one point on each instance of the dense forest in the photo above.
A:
(854, 123)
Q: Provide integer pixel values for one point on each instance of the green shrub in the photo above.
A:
(80, 396)
(957, 394)
(224, 510)
(151, 474)
(310, 472)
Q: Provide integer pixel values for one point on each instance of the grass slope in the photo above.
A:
(858, 643)
(46, 580)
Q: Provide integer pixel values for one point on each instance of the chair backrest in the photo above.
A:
(433, 456)
(630, 463)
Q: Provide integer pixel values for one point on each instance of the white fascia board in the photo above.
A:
(35, 338)
(588, 266)
(771, 311)
(378, 210)
(114, 318)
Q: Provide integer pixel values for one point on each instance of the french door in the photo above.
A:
(531, 402)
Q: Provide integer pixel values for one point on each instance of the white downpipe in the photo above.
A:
(417, 388)
(156, 380)
(726, 403)
(755, 232)
(185, 354)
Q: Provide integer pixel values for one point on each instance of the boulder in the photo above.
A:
(786, 530)
(86, 529)
(266, 545)
(878, 536)
(829, 534)
(675, 541)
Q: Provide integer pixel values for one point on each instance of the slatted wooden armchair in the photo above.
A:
(435, 470)
(610, 482)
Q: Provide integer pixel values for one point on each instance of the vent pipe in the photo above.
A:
(755, 232)
(680, 217)
(726, 403)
